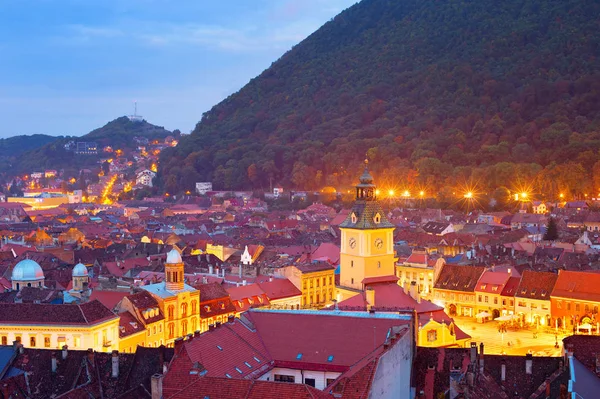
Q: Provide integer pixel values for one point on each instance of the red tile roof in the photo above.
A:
(536, 285)
(88, 313)
(577, 285)
(279, 288)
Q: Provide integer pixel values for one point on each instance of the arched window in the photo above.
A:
(32, 342)
(377, 218)
(184, 309)
(4, 340)
(193, 307)
(171, 330)
(353, 218)
(171, 312)
(194, 326)
(184, 328)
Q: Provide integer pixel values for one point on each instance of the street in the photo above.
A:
(518, 342)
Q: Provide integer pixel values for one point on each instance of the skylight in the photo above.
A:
(330, 358)
(257, 359)
(219, 348)
(227, 375)
(239, 371)
(299, 356)
(248, 364)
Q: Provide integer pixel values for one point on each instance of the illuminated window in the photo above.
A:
(353, 218)
(377, 218)
(32, 342)
(431, 336)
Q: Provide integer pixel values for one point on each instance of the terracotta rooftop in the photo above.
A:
(577, 285)
(459, 278)
(536, 285)
(88, 313)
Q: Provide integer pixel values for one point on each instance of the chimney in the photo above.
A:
(509, 271)
(53, 362)
(370, 297)
(210, 271)
(90, 355)
(65, 352)
(230, 318)
(270, 278)
(529, 364)
(165, 367)
(473, 352)
(115, 364)
(503, 371)
(196, 333)
(414, 291)
(223, 270)
(481, 357)
(241, 270)
(243, 282)
(156, 386)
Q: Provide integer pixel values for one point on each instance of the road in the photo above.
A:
(518, 342)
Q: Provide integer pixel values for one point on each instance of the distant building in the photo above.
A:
(50, 173)
(277, 191)
(145, 177)
(86, 148)
(203, 187)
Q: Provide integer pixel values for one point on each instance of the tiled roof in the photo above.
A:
(492, 282)
(459, 278)
(536, 285)
(211, 291)
(365, 212)
(510, 288)
(279, 288)
(226, 388)
(88, 313)
(577, 285)
(314, 267)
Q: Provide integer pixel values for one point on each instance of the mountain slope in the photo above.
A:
(436, 92)
(17, 145)
(118, 133)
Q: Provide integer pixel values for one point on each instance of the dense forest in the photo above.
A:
(440, 94)
(118, 133)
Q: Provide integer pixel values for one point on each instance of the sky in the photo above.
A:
(70, 66)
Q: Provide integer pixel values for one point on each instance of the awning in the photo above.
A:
(505, 318)
(482, 314)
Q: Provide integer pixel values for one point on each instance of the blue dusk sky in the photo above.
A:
(70, 66)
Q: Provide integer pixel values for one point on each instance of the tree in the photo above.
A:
(551, 230)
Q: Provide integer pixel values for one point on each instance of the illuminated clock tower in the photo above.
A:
(367, 247)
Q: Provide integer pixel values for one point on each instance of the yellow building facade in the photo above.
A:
(316, 281)
(367, 240)
(52, 326)
(178, 302)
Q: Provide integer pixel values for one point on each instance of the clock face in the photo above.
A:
(379, 243)
(352, 243)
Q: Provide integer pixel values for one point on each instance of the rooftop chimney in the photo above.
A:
(241, 270)
(481, 357)
(414, 291)
(270, 278)
(210, 271)
(53, 362)
(156, 387)
(370, 297)
(90, 355)
(243, 282)
(529, 364)
(115, 364)
(509, 271)
(503, 371)
(65, 352)
(473, 352)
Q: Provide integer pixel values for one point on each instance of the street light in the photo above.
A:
(391, 193)
(469, 194)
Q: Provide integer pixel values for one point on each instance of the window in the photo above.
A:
(512, 303)
(193, 307)
(431, 336)
(4, 340)
(32, 342)
(378, 264)
(284, 378)
(577, 307)
(304, 284)
(318, 282)
(479, 298)
(486, 299)
(559, 304)
(587, 308)
(330, 381)
(171, 330)
(324, 282)
(495, 301)
(184, 309)
(171, 312)
(184, 327)
(352, 281)
(351, 263)
(309, 382)
(330, 280)
(46, 342)
(568, 305)
(503, 302)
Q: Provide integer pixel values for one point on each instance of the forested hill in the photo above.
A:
(437, 92)
(118, 133)
(17, 145)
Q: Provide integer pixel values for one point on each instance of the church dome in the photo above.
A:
(174, 257)
(27, 270)
(80, 270)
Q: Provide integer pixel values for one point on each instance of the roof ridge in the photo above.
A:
(83, 313)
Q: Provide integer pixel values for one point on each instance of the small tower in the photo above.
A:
(80, 277)
(174, 271)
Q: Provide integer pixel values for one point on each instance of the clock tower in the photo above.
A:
(367, 246)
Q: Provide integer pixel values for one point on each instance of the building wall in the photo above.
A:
(571, 311)
(434, 334)
(365, 259)
(463, 303)
(292, 302)
(320, 377)
(423, 276)
(321, 283)
(130, 343)
(76, 337)
(393, 374)
(533, 310)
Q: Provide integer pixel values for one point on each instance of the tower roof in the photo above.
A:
(80, 270)
(27, 270)
(174, 257)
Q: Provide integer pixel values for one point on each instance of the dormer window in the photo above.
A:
(377, 218)
(353, 218)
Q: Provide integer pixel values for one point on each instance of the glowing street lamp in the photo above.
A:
(469, 194)
(391, 193)
(422, 193)
(377, 192)
(406, 194)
